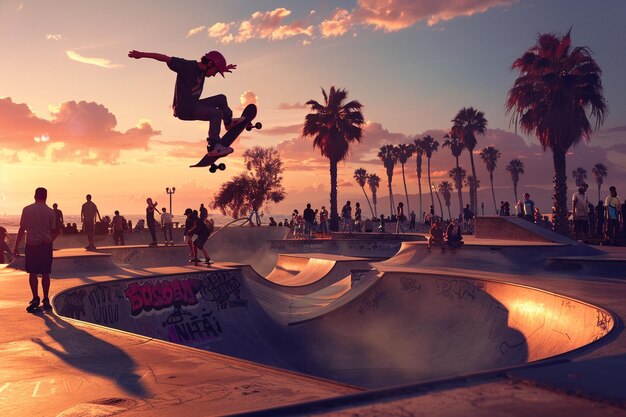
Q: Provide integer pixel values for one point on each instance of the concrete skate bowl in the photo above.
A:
(250, 245)
(76, 263)
(482, 255)
(302, 274)
(385, 329)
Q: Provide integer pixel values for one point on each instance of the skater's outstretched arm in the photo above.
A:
(152, 55)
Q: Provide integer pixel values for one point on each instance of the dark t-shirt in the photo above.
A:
(201, 229)
(189, 83)
(309, 215)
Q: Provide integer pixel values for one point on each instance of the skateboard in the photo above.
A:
(208, 264)
(249, 113)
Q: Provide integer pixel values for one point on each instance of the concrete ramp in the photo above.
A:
(77, 262)
(516, 228)
(373, 330)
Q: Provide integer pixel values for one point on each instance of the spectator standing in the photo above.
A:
(150, 208)
(468, 217)
(580, 212)
(357, 217)
(167, 225)
(346, 215)
(400, 217)
(88, 213)
(323, 221)
(58, 215)
(528, 208)
(119, 226)
(4, 247)
(412, 218)
(39, 224)
(309, 219)
(613, 207)
(204, 213)
(593, 220)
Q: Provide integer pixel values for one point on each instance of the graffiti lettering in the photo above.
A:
(73, 304)
(372, 304)
(219, 287)
(163, 294)
(199, 329)
(454, 289)
(410, 285)
(103, 307)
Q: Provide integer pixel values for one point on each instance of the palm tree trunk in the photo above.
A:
(599, 186)
(560, 192)
(459, 186)
(473, 198)
(406, 192)
(449, 214)
(430, 187)
(374, 201)
(368, 201)
(493, 193)
(334, 216)
(390, 196)
(515, 190)
(419, 186)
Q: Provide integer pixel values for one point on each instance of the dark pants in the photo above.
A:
(38, 258)
(212, 109)
(612, 228)
(152, 230)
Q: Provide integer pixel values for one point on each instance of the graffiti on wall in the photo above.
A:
(146, 296)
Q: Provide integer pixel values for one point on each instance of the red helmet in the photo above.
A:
(218, 60)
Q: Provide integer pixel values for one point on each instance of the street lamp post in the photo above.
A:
(170, 191)
(438, 199)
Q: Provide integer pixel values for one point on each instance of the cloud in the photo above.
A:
(78, 131)
(292, 106)
(99, 62)
(19, 7)
(195, 31)
(268, 25)
(394, 15)
(282, 130)
(340, 22)
(248, 97)
(56, 37)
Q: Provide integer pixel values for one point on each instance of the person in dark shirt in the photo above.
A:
(187, 104)
(202, 233)
(150, 220)
(309, 219)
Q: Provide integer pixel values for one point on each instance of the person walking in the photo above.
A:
(323, 221)
(613, 207)
(150, 220)
(119, 226)
(167, 225)
(88, 213)
(39, 224)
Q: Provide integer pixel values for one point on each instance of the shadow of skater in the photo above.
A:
(90, 354)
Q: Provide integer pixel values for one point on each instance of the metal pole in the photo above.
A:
(170, 192)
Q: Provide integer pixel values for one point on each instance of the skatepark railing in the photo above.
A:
(228, 224)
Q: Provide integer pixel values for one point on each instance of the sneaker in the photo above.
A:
(194, 260)
(209, 261)
(90, 247)
(46, 304)
(33, 305)
(220, 150)
(234, 122)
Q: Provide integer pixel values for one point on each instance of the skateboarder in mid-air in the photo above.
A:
(189, 83)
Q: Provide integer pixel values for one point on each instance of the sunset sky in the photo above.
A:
(78, 116)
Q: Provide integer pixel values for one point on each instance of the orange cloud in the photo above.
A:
(261, 25)
(394, 15)
(79, 131)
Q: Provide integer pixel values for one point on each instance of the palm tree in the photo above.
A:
(600, 172)
(456, 147)
(419, 153)
(430, 145)
(490, 156)
(458, 175)
(467, 122)
(557, 86)
(473, 185)
(334, 127)
(404, 152)
(580, 175)
(389, 158)
(515, 168)
(445, 188)
(373, 181)
(360, 175)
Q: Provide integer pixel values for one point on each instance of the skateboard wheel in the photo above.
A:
(221, 166)
(248, 127)
(258, 125)
(212, 169)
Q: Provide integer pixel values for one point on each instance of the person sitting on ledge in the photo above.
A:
(436, 234)
(454, 237)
